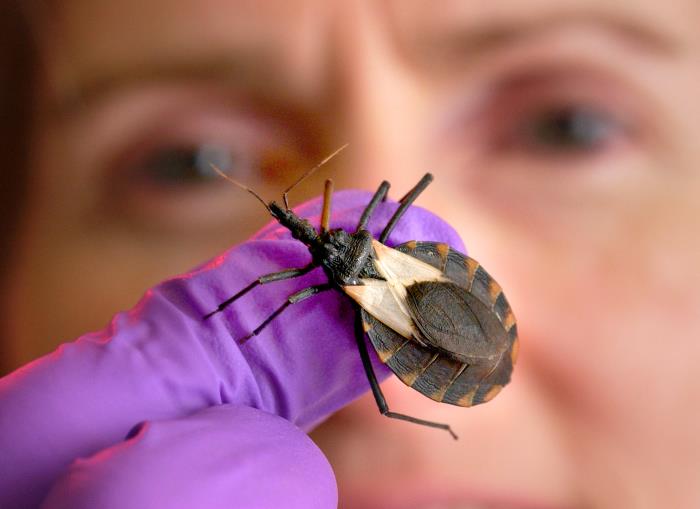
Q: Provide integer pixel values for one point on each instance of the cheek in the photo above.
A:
(71, 275)
(608, 335)
(614, 352)
(611, 320)
(66, 283)
(606, 300)
(605, 296)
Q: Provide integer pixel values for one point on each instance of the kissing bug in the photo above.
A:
(434, 316)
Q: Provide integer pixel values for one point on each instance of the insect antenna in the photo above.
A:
(307, 174)
(235, 182)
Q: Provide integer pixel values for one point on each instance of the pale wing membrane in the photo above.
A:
(386, 300)
(377, 299)
(395, 265)
(401, 270)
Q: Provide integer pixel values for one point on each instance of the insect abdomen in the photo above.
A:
(436, 374)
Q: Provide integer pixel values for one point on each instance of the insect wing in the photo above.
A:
(375, 297)
(452, 320)
(394, 265)
(386, 300)
(440, 376)
(446, 315)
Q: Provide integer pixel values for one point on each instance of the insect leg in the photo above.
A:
(406, 202)
(268, 278)
(292, 299)
(380, 195)
(326, 211)
(376, 390)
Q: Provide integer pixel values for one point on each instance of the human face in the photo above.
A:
(563, 139)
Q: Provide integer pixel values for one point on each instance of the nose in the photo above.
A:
(382, 101)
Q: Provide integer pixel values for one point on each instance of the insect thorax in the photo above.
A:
(345, 257)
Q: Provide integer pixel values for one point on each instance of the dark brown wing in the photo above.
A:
(452, 320)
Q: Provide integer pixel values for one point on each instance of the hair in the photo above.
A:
(17, 71)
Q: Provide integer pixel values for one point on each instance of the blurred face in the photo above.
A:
(564, 140)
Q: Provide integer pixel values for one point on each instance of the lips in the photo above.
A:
(425, 499)
(447, 505)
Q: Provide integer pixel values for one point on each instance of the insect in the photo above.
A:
(434, 316)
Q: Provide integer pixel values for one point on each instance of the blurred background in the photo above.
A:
(563, 139)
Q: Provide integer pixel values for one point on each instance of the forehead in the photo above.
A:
(163, 25)
(91, 39)
(150, 22)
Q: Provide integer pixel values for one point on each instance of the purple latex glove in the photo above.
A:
(163, 409)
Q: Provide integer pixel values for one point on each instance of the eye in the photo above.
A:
(555, 115)
(179, 166)
(170, 184)
(167, 182)
(153, 158)
(567, 129)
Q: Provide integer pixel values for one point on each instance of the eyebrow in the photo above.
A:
(250, 72)
(256, 71)
(500, 35)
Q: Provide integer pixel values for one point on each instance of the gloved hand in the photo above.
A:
(162, 409)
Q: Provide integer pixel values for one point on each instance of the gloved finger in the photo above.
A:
(222, 457)
(160, 360)
(305, 364)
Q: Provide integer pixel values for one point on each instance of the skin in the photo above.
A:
(593, 236)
